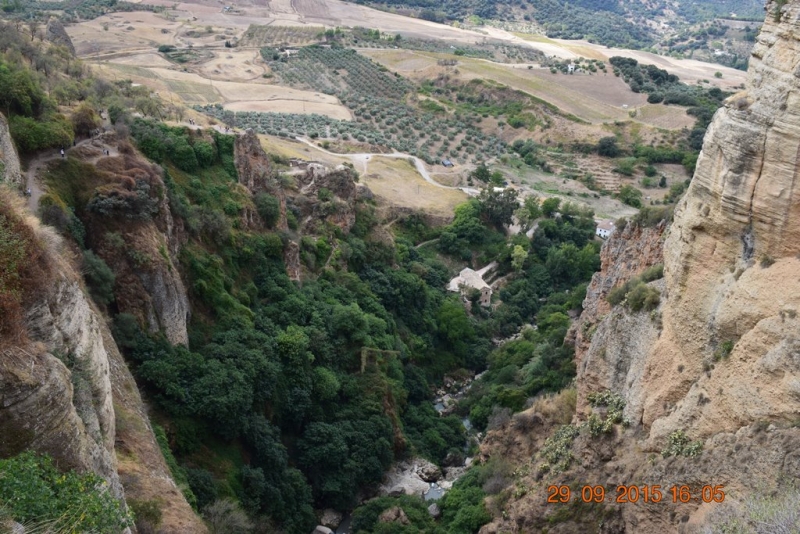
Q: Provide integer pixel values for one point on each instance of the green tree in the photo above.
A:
(498, 206)
(518, 257)
(607, 147)
(631, 196)
(84, 120)
(269, 209)
(550, 206)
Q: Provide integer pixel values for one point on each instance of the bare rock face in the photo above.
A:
(625, 255)
(144, 254)
(731, 260)
(256, 173)
(328, 195)
(56, 34)
(9, 159)
(65, 323)
(719, 359)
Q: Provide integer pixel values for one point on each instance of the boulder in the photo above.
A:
(428, 472)
(434, 510)
(394, 515)
(322, 530)
(331, 518)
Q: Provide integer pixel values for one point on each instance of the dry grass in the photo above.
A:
(397, 183)
(27, 264)
(557, 408)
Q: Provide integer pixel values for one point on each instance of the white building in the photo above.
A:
(605, 229)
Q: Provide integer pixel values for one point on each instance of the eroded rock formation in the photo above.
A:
(9, 159)
(65, 390)
(719, 359)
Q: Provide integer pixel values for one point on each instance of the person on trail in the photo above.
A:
(62, 152)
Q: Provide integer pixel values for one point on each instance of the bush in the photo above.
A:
(205, 153)
(608, 147)
(643, 298)
(678, 444)
(147, 514)
(31, 135)
(655, 272)
(32, 490)
(631, 196)
(655, 98)
(84, 120)
(269, 209)
(99, 277)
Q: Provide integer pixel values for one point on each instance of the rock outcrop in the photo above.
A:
(719, 360)
(626, 254)
(65, 390)
(142, 251)
(56, 34)
(10, 172)
(256, 173)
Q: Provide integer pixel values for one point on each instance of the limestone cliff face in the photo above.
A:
(9, 160)
(65, 389)
(719, 359)
(56, 391)
(256, 174)
(731, 260)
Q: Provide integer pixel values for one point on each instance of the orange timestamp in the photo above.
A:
(637, 494)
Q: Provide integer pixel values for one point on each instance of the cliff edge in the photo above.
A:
(709, 375)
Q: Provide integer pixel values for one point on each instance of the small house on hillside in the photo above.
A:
(469, 279)
(604, 229)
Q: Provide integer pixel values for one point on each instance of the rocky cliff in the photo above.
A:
(65, 389)
(141, 248)
(718, 361)
(9, 160)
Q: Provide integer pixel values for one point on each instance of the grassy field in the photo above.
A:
(397, 183)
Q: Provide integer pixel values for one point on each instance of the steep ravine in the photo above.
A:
(719, 358)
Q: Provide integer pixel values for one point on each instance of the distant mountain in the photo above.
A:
(625, 23)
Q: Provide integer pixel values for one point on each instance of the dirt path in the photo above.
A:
(364, 157)
(35, 187)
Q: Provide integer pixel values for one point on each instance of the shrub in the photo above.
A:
(269, 209)
(557, 449)
(643, 298)
(84, 120)
(608, 147)
(655, 272)
(99, 277)
(631, 196)
(33, 490)
(205, 153)
(147, 514)
(678, 444)
(31, 135)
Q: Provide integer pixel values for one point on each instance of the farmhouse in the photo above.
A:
(605, 229)
(470, 279)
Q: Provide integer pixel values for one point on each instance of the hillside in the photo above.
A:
(637, 24)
